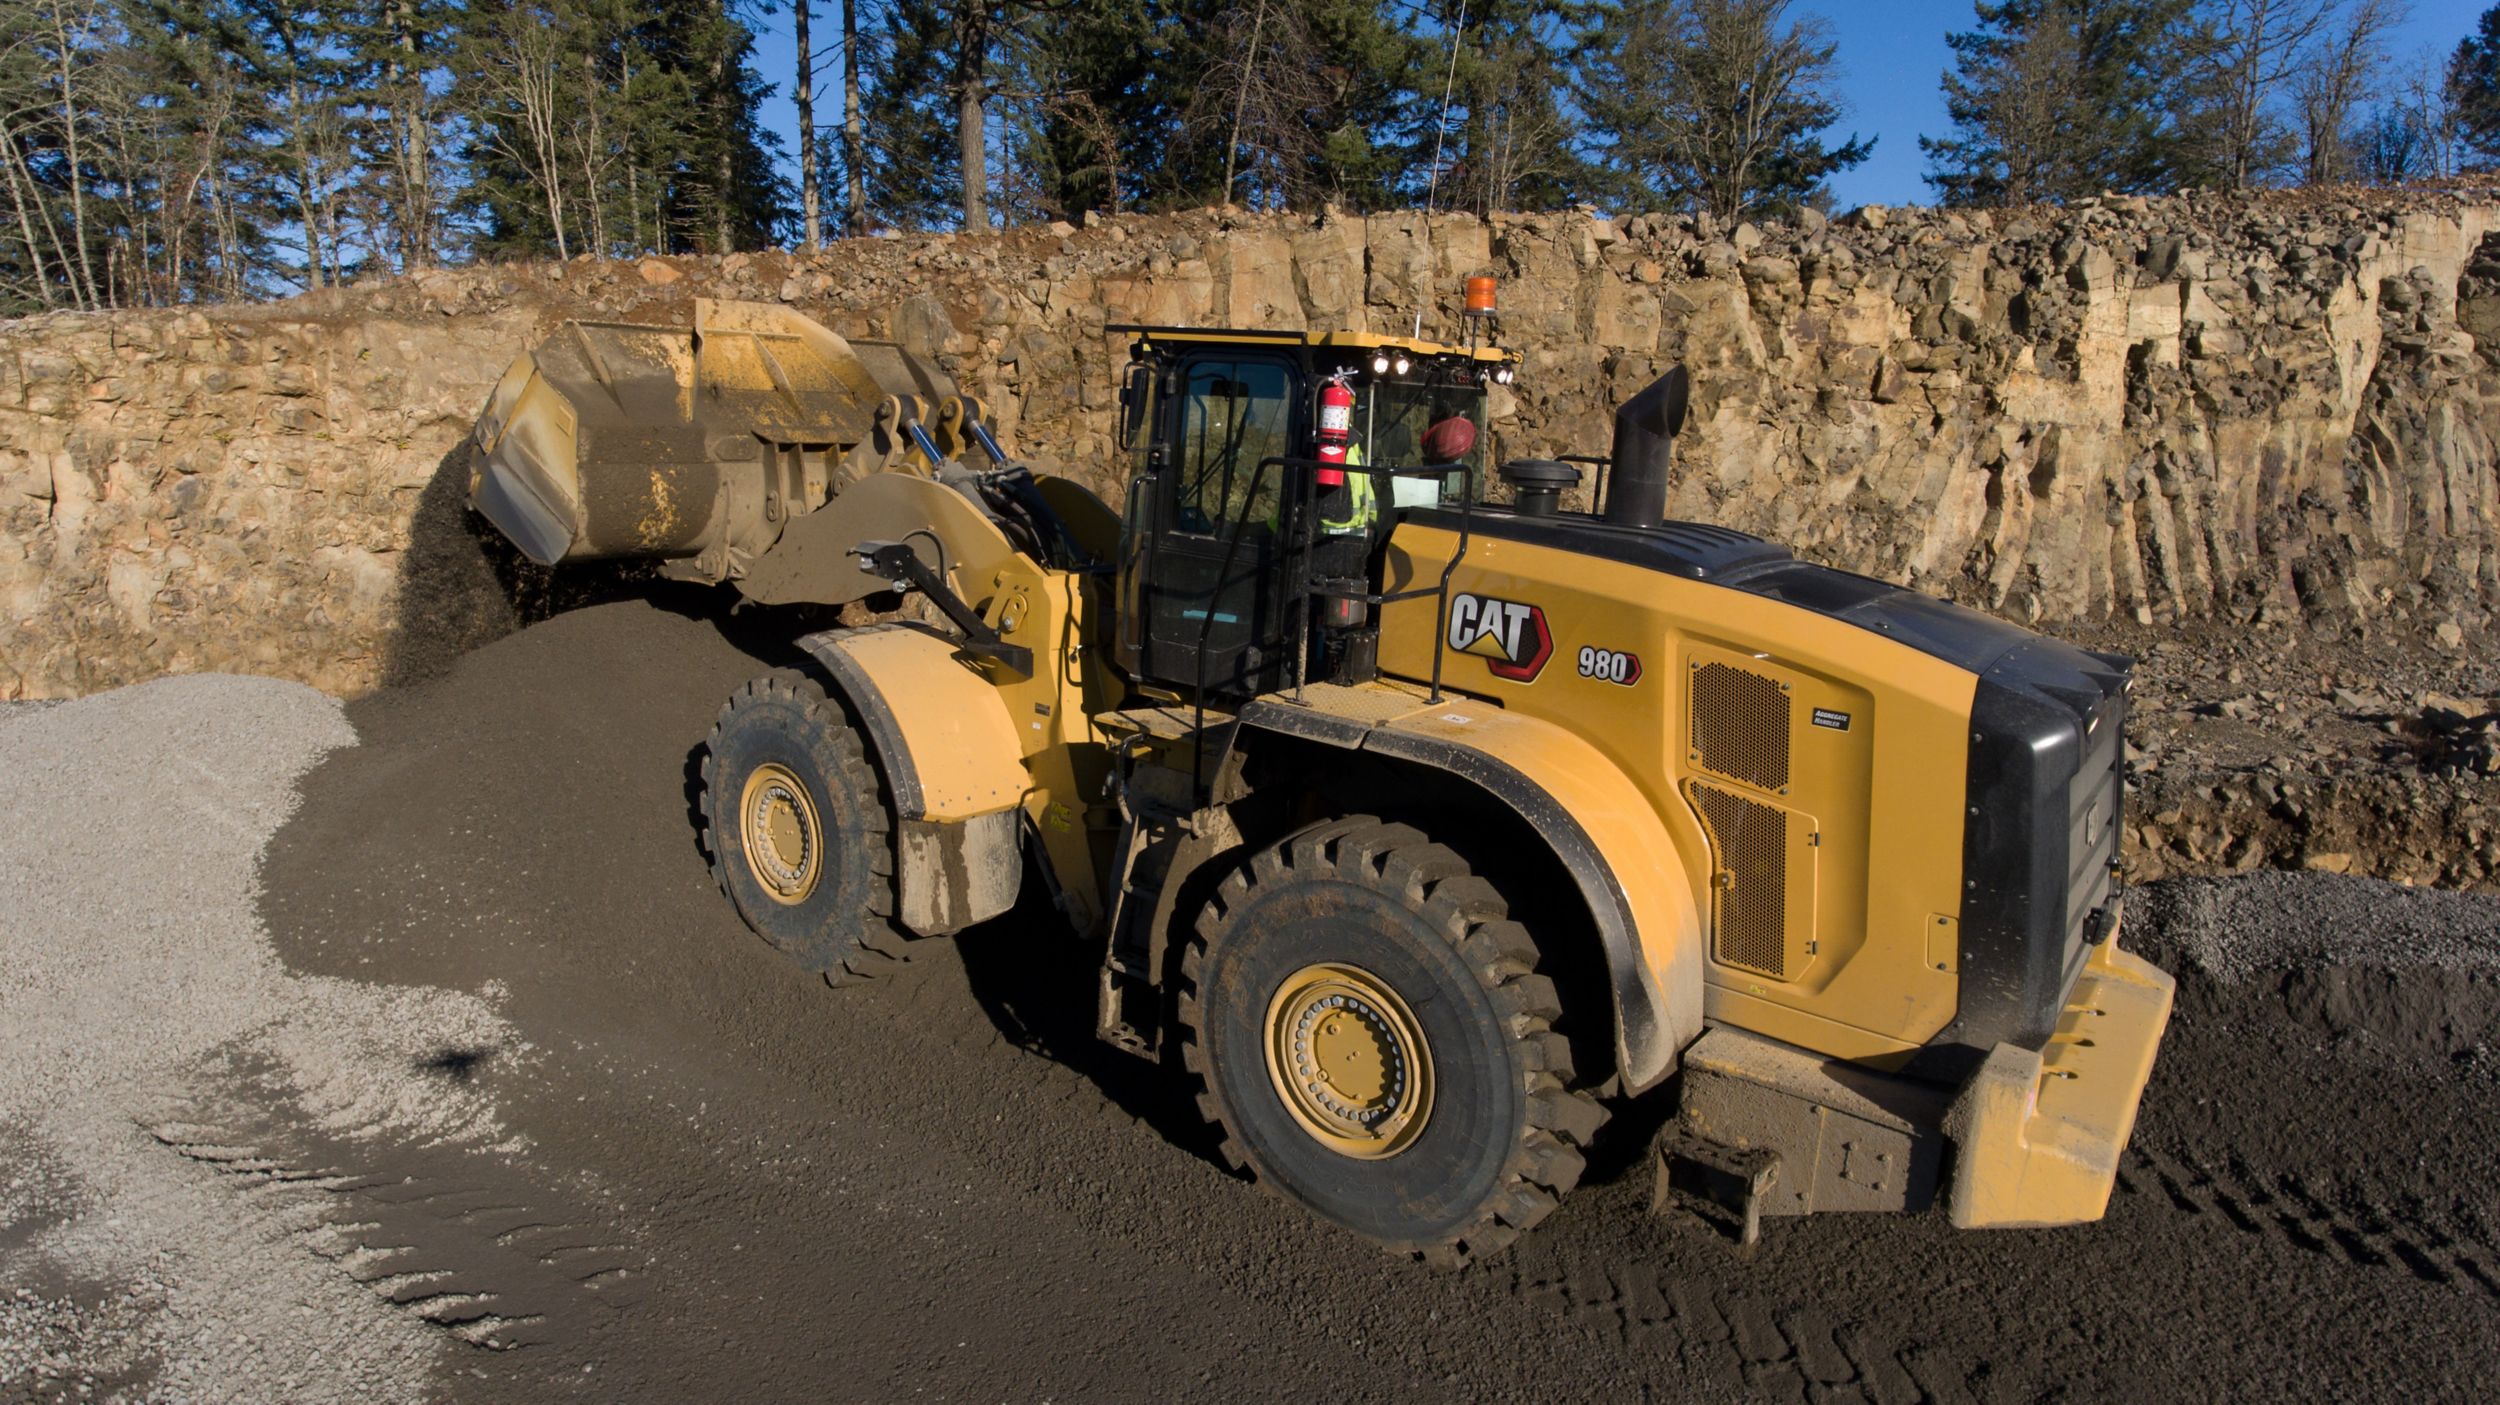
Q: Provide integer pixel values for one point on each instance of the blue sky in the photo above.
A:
(1891, 55)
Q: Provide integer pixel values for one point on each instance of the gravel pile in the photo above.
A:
(2407, 973)
(137, 986)
(2268, 923)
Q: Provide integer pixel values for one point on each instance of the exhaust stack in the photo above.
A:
(1636, 471)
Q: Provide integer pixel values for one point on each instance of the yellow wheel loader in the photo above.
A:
(1416, 820)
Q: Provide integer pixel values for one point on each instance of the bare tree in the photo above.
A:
(2330, 83)
(21, 97)
(27, 200)
(517, 66)
(854, 140)
(71, 29)
(1267, 97)
(2251, 52)
(1241, 94)
(2417, 132)
(811, 230)
(1511, 144)
(1518, 142)
(2431, 102)
(592, 150)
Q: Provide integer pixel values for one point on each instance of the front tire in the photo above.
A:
(1374, 1040)
(797, 829)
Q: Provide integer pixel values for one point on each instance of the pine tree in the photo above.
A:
(1295, 103)
(910, 161)
(2058, 99)
(725, 194)
(803, 98)
(396, 53)
(514, 68)
(298, 83)
(1088, 109)
(842, 157)
(1720, 104)
(209, 233)
(607, 126)
(1508, 142)
(2474, 86)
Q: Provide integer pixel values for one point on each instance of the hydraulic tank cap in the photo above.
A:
(1537, 485)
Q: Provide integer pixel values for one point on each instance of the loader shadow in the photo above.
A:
(1037, 982)
(1034, 981)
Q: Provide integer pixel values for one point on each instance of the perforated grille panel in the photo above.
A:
(1749, 897)
(1740, 725)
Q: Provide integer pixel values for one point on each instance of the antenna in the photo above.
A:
(1440, 133)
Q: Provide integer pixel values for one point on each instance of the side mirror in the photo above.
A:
(1136, 393)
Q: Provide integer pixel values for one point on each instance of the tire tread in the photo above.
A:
(875, 947)
(1471, 915)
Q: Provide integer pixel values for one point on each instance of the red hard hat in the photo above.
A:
(1449, 440)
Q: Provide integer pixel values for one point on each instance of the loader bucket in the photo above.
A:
(623, 440)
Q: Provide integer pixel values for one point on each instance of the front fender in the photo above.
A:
(1599, 825)
(953, 766)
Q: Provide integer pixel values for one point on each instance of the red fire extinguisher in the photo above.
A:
(1336, 427)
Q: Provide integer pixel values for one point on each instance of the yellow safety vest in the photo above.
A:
(1362, 501)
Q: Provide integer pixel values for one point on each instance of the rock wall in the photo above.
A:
(2239, 410)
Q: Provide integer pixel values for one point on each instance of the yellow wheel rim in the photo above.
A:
(1349, 1060)
(778, 829)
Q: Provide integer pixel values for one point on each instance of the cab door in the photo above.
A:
(1209, 504)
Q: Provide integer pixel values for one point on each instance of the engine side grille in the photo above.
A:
(1740, 725)
(1749, 889)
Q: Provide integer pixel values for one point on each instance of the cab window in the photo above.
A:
(1234, 414)
(1392, 426)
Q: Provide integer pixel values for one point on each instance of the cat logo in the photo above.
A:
(1510, 637)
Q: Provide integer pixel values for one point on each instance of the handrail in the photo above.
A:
(1300, 587)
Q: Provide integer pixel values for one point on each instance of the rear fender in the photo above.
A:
(1604, 832)
(953, 768)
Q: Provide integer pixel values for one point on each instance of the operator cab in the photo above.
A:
(1230, 514)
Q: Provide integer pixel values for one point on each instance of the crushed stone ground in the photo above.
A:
(134, 971)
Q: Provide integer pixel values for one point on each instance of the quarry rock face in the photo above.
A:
(2249, 409)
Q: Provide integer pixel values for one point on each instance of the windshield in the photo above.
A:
(1394, 424)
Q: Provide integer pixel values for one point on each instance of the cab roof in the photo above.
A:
(1363, 342)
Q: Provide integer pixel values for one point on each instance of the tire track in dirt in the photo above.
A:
(2345, 1222)
(1780, 1352)
(457, 1239)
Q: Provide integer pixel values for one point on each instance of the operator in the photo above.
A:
(1354, 508)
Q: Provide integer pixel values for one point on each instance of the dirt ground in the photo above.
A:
(715, 1178)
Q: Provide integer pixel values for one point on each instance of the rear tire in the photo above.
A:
(797, 828)
(1371, 1034)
